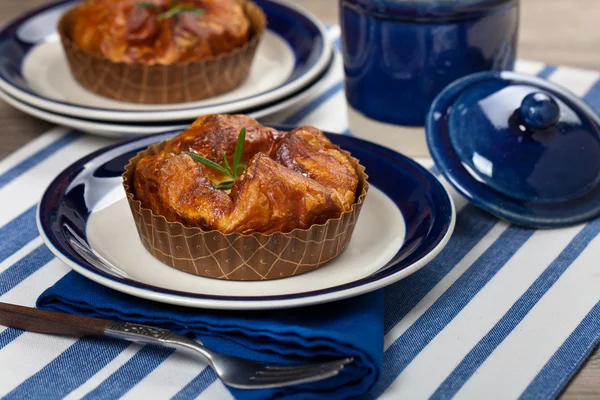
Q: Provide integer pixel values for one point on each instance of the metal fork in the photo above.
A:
(237, 372)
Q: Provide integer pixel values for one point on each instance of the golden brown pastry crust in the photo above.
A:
(293, 180)
(177, 189)
(307, 151)
(123, 31)
(212, 136)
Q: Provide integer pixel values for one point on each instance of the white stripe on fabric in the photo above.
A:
(322, 116)
(513, 365)
(26, 355)
(429, 369)
(22, 252)
(27, 292)
(31, 148)
(424, 161)
(577, 80)
(334, 32)
(104, 373)
(529, 67)
(29, 187)
(216, 391)
(168, 378)
(444, 284)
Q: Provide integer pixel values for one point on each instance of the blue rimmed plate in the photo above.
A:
(406, 220)
(135, 129)
(33, 68)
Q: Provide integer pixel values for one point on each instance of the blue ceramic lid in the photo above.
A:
(519, 147)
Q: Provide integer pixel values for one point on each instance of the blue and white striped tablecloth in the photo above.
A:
(504, 312)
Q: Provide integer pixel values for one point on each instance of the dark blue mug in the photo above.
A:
(400, 54)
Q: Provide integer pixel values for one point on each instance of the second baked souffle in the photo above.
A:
(132, 31)
(161, 51)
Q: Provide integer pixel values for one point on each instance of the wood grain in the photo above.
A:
(559, 32)
(41, 321)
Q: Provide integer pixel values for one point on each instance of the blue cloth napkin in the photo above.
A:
(348, 328)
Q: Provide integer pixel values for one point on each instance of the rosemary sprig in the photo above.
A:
(226, 169)
(224, 185)
(147, 4)
(208, 163)
(173, 10)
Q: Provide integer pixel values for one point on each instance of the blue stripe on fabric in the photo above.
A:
(8, 335)
(197, 385)
(131, 373)
(567, 359)
(313, 105)
(26, 266)
(546, 71)
(70, 369)
(473, 360)
(17, 233)
(337, 43)
(16, 274)
(472, 224)
(593, 96)
(38, 157)
(404, 349)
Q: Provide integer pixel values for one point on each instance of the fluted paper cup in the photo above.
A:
(242, 257)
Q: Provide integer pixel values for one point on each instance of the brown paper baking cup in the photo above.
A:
(162, 84)
(236, 256)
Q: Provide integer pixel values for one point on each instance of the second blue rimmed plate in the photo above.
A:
(33, 69)
(407, 219)
(135, 129)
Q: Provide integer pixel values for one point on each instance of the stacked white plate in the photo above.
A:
(293, 63)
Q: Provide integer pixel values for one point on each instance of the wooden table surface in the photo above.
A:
(553, 31)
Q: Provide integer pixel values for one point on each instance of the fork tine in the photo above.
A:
(258, 377)
(294, 379)
(271, 370)
(284, 382)
(343, 361)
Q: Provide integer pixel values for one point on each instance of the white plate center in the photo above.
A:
(378, 236)
(46, 71)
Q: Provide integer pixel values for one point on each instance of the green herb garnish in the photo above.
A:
(226, 169)
(147, 4)
(173, 10)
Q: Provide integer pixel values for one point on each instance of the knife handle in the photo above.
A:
(41, 321)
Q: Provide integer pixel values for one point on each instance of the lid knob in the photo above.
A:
(539, 111)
